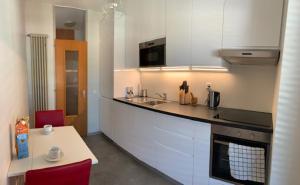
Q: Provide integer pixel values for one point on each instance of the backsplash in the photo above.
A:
(123, 79)
(243, 87)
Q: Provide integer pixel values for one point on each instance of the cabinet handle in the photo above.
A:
(247, 54)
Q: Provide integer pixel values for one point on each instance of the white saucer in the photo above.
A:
(47, 158)
(47, 133)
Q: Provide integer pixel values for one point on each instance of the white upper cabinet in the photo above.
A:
(153, 20)
(252, 23)
(196, 30)
(132, 32)
(178, 32)
(107, 56)
(207, 21)
(145, 21)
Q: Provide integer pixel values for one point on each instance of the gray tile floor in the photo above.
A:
(116, 167)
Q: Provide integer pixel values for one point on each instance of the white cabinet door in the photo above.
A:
(202, 133)
(133, 32)
(106, 122)
(173, 140)
(250, 23)
(144, 21)
(152, 19)
(207, 21)
(178, 32)
(119, 40)
(107, 56)
(141, 135)
(122, 124)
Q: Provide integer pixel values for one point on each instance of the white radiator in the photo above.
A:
(39, 76)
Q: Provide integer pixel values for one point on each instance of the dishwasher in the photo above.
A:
(239, 165)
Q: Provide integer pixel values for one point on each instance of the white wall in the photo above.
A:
(244, 87)
(285, 160)
(13, 77)
(40, 19)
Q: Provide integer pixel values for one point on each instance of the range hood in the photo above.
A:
(251, 56)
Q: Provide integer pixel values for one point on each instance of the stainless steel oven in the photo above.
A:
(153, 53)
(222, 137)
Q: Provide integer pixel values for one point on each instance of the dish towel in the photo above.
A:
(247, 163)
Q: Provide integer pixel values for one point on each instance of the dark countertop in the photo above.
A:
(203, 114)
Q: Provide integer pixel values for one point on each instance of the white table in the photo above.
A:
(67, 138)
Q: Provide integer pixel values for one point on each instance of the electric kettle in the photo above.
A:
(213, 100)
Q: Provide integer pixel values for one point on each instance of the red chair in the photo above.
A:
(71, 174)
(52, 117)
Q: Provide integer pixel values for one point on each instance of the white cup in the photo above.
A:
(47, 129)
(54, 152)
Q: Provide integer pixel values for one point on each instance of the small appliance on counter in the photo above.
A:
(213, 99)
(129, 92)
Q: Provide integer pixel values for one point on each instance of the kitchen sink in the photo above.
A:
(155, 102)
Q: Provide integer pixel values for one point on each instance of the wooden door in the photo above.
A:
(71, 82)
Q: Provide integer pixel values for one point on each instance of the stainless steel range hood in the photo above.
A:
(251, 56)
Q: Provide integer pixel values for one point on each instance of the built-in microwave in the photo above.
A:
(153, 53)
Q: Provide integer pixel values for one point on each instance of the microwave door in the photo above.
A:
(152, 54)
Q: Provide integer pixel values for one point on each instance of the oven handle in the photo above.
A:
(221, 142)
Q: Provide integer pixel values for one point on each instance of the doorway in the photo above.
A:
(71, 67)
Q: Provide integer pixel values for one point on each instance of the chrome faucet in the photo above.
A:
(163, 96)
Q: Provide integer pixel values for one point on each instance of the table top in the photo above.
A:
(66, 138)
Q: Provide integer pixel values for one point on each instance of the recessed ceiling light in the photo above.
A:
(70, 24)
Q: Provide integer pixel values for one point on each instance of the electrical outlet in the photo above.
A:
(208, 85)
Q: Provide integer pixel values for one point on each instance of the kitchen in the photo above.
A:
(171, 42)
(196, 91)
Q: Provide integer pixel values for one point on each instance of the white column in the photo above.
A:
(285, 167)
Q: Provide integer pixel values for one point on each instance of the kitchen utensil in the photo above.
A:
(194, 99)
(144, 93)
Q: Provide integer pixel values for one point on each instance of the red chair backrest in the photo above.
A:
(71, 174)
(52, 117)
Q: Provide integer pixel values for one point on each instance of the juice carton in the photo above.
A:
(21, 131)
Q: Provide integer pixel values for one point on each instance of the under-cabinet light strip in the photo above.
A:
(150, 69)
(208, 68)
(186, 68)
(179, 68)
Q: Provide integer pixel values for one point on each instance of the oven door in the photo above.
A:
(152, 53)
(220, 163)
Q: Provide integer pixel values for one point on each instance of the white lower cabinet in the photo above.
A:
(175, 146)
(106, 106)
(202, 133)
(173, 141)
(122, 125)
